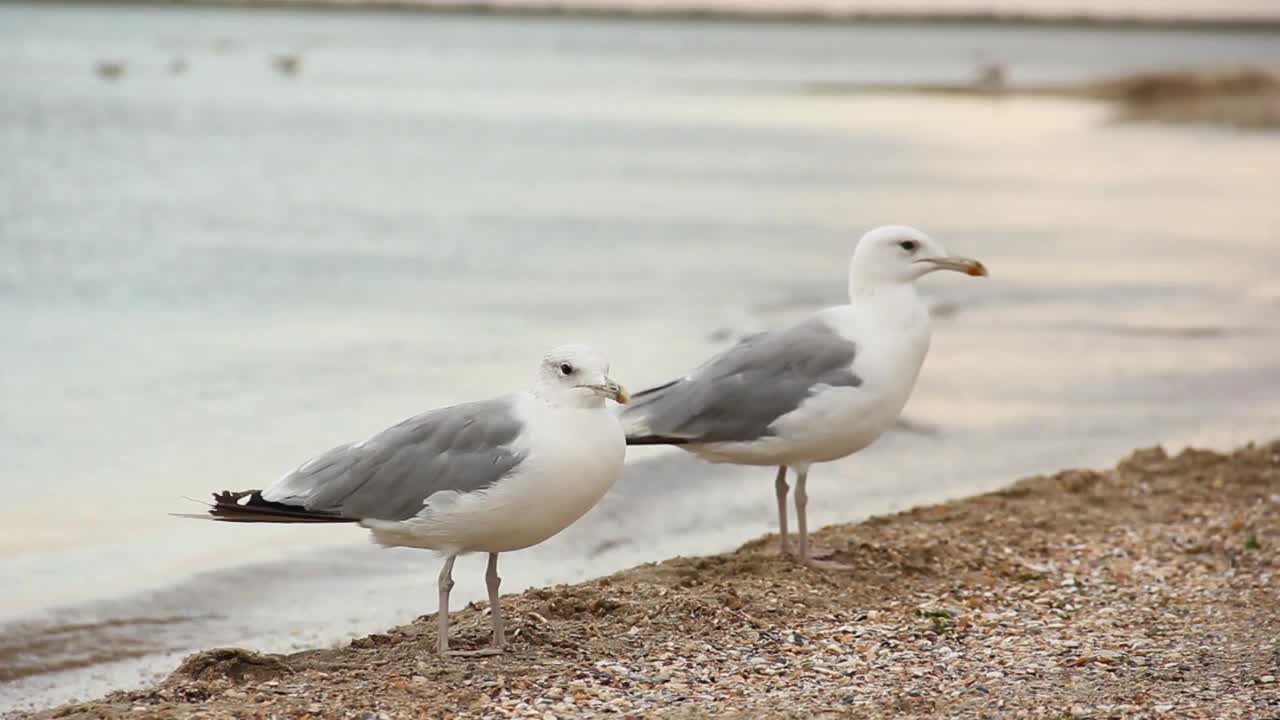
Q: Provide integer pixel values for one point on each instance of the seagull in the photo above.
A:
(487, 476)
(813, 392)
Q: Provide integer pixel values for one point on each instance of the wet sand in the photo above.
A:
(1147, 590)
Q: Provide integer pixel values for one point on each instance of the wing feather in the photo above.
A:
(462, 448)
(737, 395)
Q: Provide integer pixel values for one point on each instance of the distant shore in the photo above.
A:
(1240, 97)
(562, 9)
(1147, 590)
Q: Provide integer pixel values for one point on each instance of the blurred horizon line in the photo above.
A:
(1243, 16)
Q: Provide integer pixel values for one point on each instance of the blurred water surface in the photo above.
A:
(207, 276)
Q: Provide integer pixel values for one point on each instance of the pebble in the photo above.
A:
(1267, 679)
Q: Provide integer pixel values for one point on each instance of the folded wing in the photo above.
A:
(463, 448)
(738, 394)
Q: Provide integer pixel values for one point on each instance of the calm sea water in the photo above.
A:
(208, 276)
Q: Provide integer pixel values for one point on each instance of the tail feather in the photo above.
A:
(635, 423)
(656, 440)
(249, 506)
(652, 390)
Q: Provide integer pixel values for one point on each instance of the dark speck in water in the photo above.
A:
(605, 546)
(915, 427)
(1190, 332)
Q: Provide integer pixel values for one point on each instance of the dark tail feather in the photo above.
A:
(656, 440)
(229, 507)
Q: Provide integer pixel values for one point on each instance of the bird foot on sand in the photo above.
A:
(817, 552)
(818, 564)
(484, 652)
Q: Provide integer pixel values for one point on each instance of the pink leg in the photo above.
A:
(809, 556)
(780, 487)
(499, 646)
(445, 584)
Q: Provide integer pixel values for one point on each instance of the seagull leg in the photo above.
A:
(810, 556)
(780, 487)
(491, 581)
(445, 584)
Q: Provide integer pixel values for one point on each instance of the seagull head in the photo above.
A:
(895, 254)
(578, 376)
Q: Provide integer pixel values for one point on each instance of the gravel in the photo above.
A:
(1147, 591)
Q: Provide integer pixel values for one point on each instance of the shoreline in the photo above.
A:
(1144, 590)
(1263, 24)
(1245, 97)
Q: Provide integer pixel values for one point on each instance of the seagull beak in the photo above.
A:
(612, 391)
(968, 266)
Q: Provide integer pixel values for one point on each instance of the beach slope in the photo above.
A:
(1148, 590)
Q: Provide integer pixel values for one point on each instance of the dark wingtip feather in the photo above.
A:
(228, 508)
(656, 440)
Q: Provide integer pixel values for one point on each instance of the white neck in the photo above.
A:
(558, 395)
(879, 292)
(895, 306)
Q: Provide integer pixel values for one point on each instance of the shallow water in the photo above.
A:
(207, 277)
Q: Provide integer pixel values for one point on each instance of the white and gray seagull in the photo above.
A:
(489, 476)
(813, 392)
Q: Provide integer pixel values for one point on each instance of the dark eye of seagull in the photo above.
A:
(908, 245)
(566, 369)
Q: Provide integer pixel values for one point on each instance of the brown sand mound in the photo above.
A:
(1144, 591)
(1179, 85)
(1247, 97)
(1238, 97)
(232, 664)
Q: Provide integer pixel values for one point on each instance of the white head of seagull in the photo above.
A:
(576, 376)
(897, 254)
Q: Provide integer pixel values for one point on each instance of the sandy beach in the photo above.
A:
(1147, 590)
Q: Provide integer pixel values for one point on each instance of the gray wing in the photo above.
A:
(738, 394)
(462, 448)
